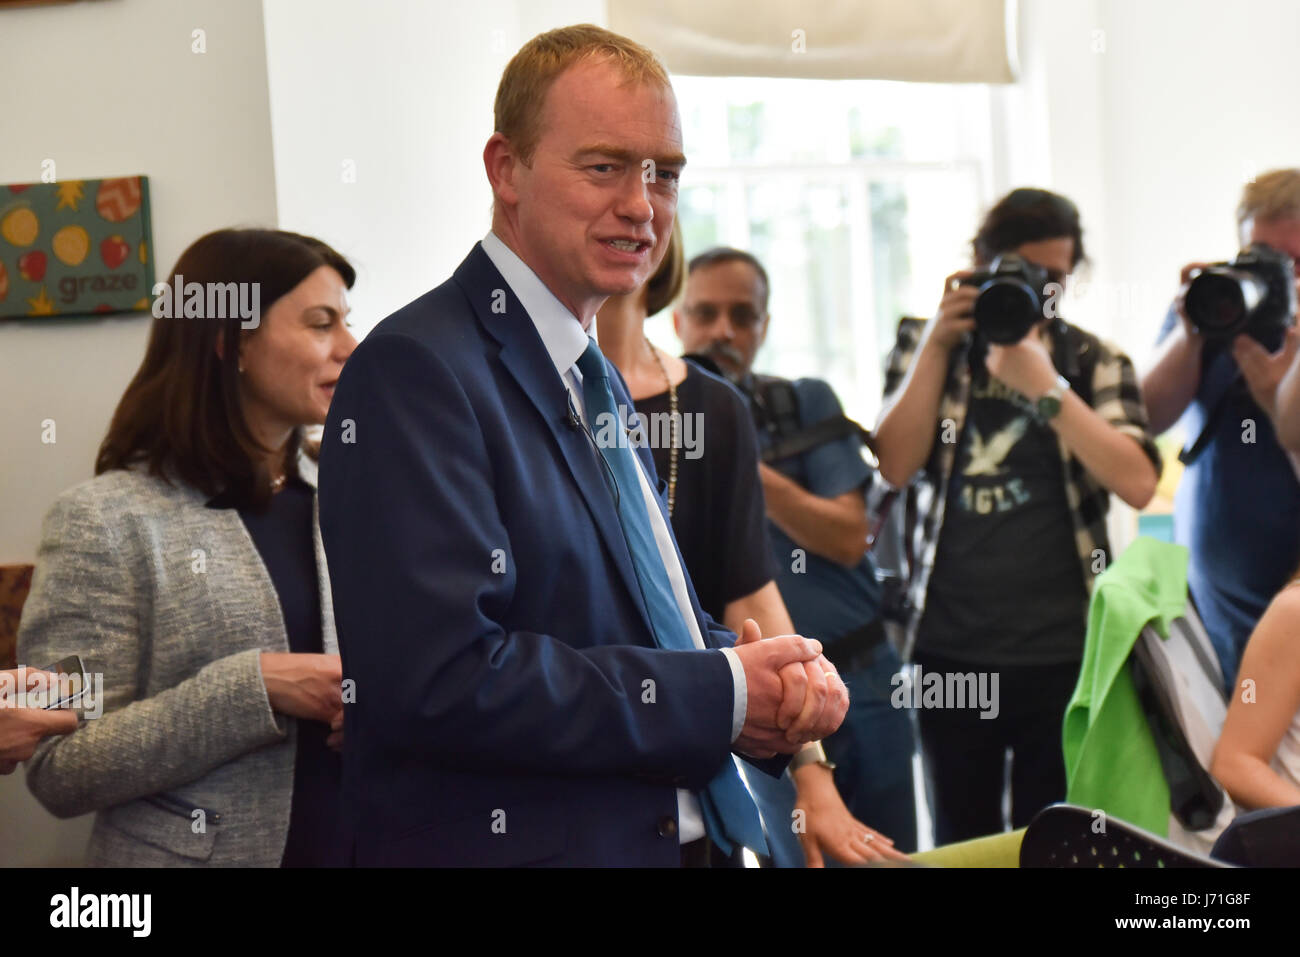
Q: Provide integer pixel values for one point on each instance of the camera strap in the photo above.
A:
(1213, 419)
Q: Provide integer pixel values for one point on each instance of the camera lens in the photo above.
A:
(1219, 301)
(1005, 311)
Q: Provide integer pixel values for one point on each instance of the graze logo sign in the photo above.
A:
(75, 247)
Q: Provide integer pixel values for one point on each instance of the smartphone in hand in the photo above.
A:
(65, 689)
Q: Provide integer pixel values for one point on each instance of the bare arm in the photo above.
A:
(765, 607)
(830, 827)
(835, 528)
(1265, 372)
(1257, 721)
(1286, 420)
(1115, 459)
(1170, 384)
(906, 429)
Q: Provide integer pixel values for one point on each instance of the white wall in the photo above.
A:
(111, 89)
(128, 96)
(1151, 115)
(1196, 101)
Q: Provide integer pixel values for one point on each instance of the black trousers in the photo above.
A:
(965, 755)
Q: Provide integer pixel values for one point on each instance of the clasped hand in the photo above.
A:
(794, 694)
(307, 686)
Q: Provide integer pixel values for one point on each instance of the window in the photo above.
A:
(859, 197)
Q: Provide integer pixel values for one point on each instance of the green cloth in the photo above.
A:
(1111, 762)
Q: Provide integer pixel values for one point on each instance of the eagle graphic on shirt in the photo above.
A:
(987, 455)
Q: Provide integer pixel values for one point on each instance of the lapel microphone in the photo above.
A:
(575, 422)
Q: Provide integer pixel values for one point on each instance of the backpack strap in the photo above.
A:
(776, 405)
(828, 430)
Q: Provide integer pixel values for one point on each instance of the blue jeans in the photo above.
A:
(872, 752)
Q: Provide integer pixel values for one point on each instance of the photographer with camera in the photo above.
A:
(814, 482)
(1225, 345)
(1013, 428)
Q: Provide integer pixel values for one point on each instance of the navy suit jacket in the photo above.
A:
(510, 704)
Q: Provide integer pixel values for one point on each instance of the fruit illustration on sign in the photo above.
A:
(4, 281)
(114, 251)
(19, 226)
(118, 199)
(31, 266)
(70, 245)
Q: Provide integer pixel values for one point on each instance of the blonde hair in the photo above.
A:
(529, 75)
(1271, 195)
(665, 285)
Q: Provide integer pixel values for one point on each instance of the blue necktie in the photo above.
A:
(730, 815)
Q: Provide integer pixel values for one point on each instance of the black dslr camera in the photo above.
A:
(1254, 294)
(1011, 298)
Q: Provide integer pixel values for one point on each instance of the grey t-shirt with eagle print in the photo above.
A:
(1006, 587)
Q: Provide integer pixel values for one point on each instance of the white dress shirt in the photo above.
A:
(565, 341)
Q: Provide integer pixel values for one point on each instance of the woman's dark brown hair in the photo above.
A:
(1026, 216)
(182, 417)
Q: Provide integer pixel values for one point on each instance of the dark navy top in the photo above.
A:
(284, 537)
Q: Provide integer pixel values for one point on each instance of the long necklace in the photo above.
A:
(674, 424)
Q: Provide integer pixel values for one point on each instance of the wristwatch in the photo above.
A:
(1048, 405)
(811, 754)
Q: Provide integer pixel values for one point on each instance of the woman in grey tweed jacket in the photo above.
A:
(190, 574)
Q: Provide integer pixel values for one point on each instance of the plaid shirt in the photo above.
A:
(1094, 369)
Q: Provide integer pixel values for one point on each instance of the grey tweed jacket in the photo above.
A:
(171, 603)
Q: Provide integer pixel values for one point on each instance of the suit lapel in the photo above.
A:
(525, 357)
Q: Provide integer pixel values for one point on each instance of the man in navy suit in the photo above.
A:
(532, 678)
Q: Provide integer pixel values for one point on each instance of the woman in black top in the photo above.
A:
(715, 504)
(219, 742)
(287, 368)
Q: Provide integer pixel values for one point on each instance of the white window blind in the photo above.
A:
(935, 41)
